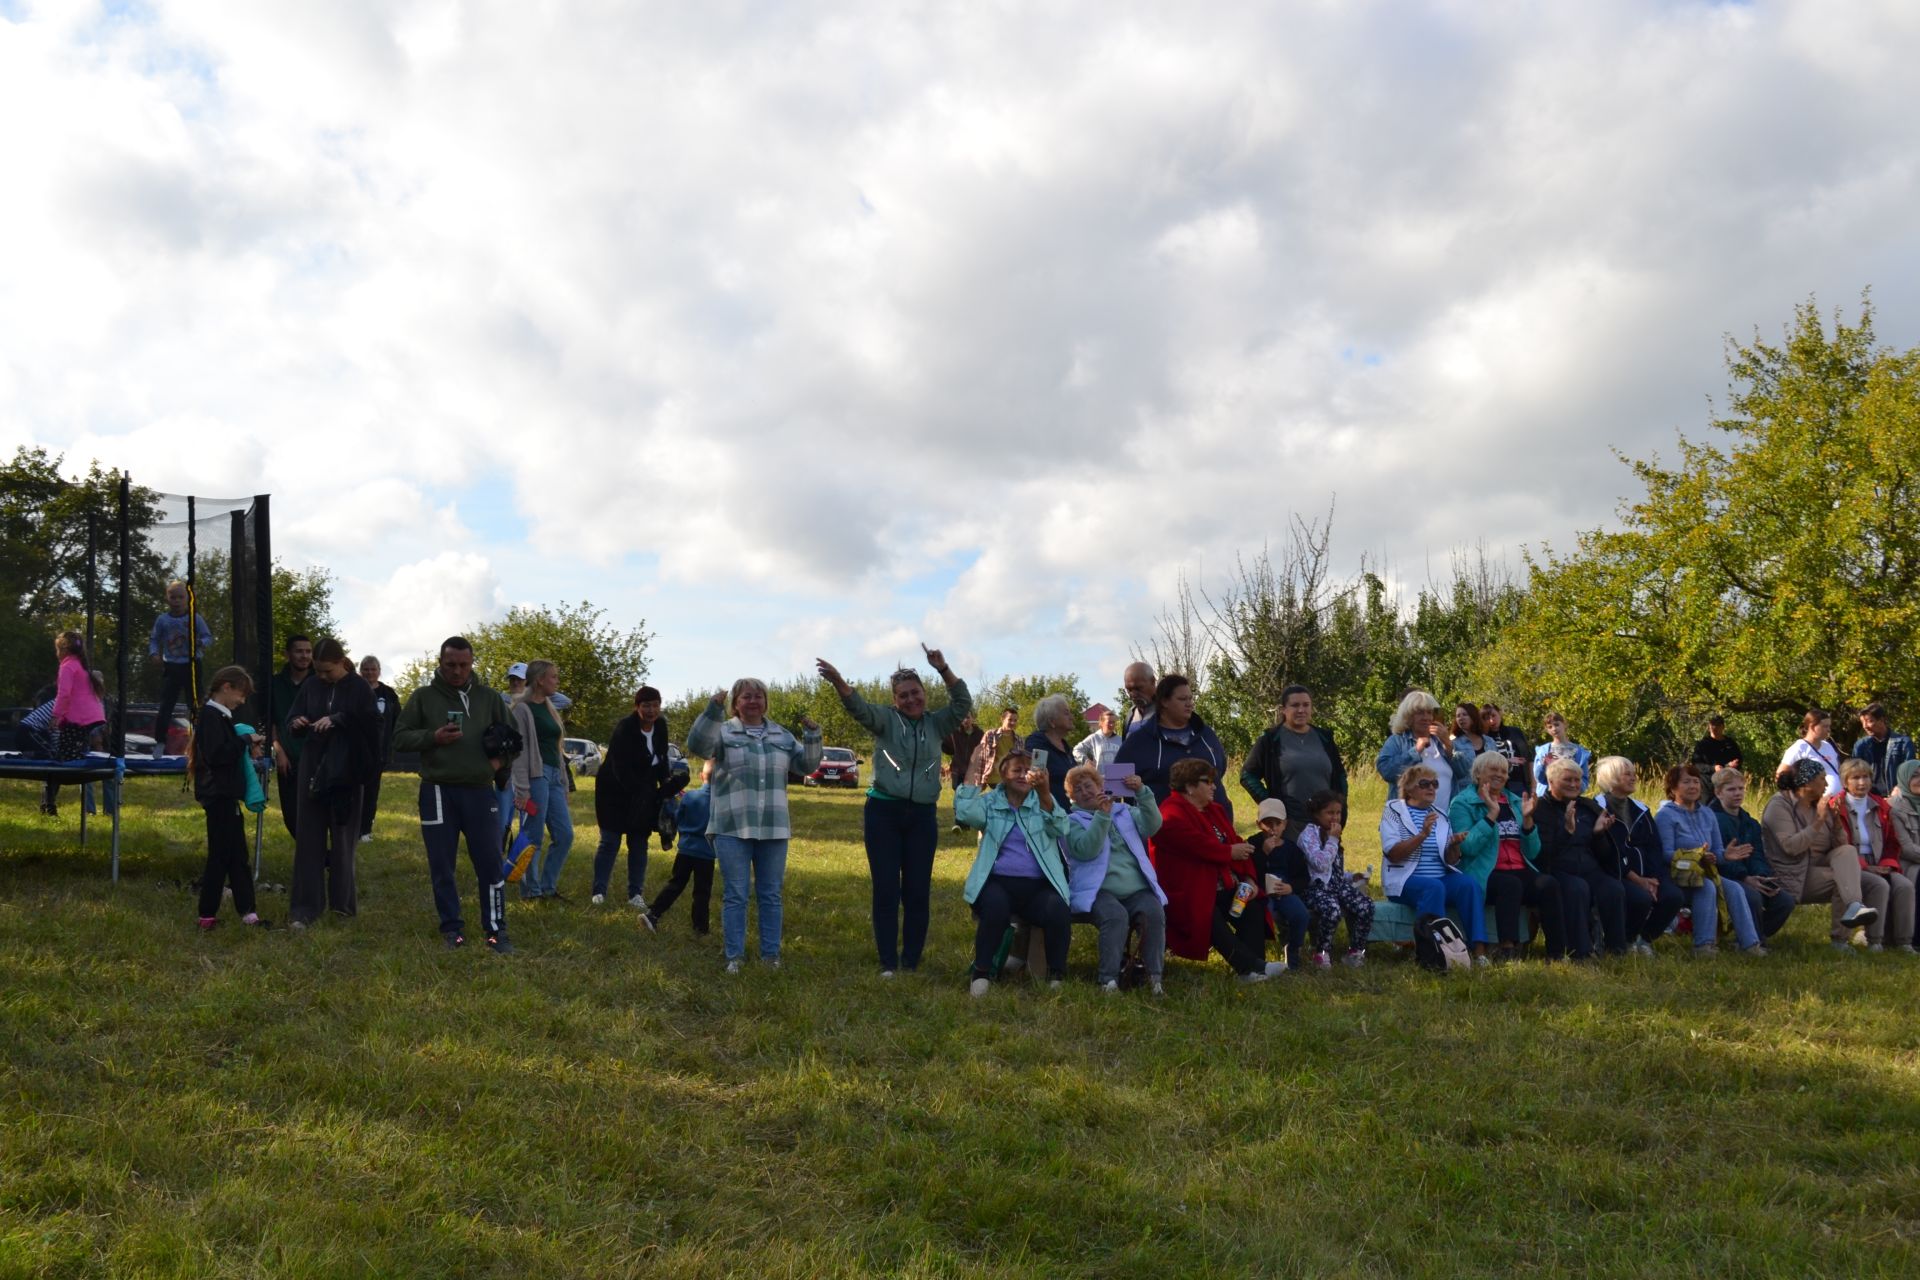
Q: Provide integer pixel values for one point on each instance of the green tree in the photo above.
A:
(600, 665)
(1767, 571)
(303, 605)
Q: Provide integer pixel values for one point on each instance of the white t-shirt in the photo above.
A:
(1443, 770)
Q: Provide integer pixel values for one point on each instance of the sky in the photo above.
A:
(789, 330)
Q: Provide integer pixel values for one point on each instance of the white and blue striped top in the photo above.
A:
(1431, 863)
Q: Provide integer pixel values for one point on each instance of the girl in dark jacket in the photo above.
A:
(217, 757)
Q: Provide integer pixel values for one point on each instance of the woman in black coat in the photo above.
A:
(334, 712)
(634, 780)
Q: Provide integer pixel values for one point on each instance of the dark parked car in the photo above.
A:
(839, 767)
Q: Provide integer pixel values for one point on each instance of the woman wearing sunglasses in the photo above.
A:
(1422, 852)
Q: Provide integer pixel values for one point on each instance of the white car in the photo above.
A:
(583, 754)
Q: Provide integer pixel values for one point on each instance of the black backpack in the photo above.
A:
(1439, 946)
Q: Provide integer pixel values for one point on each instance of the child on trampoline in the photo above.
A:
(224, 776)
(171, 649)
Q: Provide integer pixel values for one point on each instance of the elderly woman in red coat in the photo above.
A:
(1202, 865)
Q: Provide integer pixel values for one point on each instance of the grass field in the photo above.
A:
(359, 1101)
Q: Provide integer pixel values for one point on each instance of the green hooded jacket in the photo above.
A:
(460, 764)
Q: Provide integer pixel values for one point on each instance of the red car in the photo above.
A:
(839, 767)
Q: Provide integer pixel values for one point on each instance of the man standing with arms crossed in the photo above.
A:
(446, 721)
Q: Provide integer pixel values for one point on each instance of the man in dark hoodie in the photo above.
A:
(445, 721)
(284, 688)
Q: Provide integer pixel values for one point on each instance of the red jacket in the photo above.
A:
(1192, 855)
(1889, 841)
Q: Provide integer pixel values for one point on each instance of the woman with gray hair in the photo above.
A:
(1053, 720)
(752, 758)
(1419, 736)
(899, 823)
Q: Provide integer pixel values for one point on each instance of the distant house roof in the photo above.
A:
(1093, 713)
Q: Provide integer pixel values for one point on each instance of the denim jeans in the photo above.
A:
(1455, 893)
(1746, 925)
(1770, 913)
(1705, 904)
(1290, 921)
(552, 820)
(766, 861)
(609, 852)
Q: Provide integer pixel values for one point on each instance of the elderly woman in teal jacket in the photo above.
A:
(1499, 849)
(1018, 869)
(899, 824)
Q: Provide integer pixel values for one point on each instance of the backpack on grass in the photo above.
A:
(1439, 946)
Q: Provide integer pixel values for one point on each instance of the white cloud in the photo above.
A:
(792, 305)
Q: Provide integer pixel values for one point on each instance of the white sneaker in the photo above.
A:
(366, 839)
(1275, 968)
(733, 966)
(886, 973)
(646, 918)
(1859, 915)
(1640, 947)
(1110, 987)
(1481, 961)
(637, 902)
(772, 962)
(1258, 975)
(1876, 947)
(1354, 959)
(979, 987)
(1156, 988)
(598, 899)
(1014, 964)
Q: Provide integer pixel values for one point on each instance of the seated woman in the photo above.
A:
(1558, 746)
(1418, 737)
(1744, 869)
(1111, 874)
(1205, 870)
(1868, 820)
(1576, 850)
(1422, 854)
(1812, 857)
(1652, 898)
(1904, 809)
(1688, 827)
(1498, 849)
(1017, 870)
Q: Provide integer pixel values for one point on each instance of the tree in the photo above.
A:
(1763, 575)
(600, 665)
(302, 604)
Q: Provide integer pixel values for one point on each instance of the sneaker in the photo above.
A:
(366, 839)
(886, 973)
(1014, 964)
(1859, 915)
(638, 902)
(1354, 958)
(209, 923)
(256, 921)
(646, 918)
(1322, 961)
(1641, 947)
(1482, 961)
(1844, 948)
(733, 966)
(455, 941)
(598, 899)
(771, 962)
(1876, 948)
(979, 987)
(1706, 948)
(1906, 949)
(1156, 988)
(499, 945)
(298, 926)
(1758, 950)
(1276, 968)
(1258, 975)
(1053, 984)
(1110, 987)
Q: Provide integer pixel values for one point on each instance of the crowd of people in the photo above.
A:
(1127, 828)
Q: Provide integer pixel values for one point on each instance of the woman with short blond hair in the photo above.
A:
(1418, 735)
(1422, 855)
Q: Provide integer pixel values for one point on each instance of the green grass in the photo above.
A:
(358, 1101)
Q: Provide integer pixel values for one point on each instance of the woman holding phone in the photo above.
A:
(1053, 720)
(899, 821)
(1419, 736)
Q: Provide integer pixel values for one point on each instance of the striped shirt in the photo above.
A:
(750, 773)
(1432, 862)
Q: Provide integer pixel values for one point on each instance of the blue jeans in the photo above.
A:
(1454, 894)
(1770, 913)
(1705, 902)
(1740, 910)
(609, 852)
(766, 861)
(553, 819)
(1290, 921)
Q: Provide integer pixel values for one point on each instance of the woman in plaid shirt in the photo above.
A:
(752, 761)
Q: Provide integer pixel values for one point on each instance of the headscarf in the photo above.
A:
(1903, 776)
(1800, 773)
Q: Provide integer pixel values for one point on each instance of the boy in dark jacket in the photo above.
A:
(694, 860)
(219, 761)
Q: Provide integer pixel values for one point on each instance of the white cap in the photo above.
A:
(518, 671)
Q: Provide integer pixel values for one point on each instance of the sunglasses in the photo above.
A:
(1428, 785)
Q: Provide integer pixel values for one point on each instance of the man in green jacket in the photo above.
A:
(445, 721)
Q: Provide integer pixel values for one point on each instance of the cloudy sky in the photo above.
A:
(797, 329)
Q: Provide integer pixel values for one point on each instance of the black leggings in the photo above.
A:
(1241, 941)
(1508, 891)
(1033, 900)
(226, 860)
(698, 870)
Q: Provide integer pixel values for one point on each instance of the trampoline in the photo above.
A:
(137, 541)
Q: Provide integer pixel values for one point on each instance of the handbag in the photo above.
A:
(1687, 870)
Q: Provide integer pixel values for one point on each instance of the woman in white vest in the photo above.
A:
(1110, 874)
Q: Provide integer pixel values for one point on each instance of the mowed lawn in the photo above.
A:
(359, 1101)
